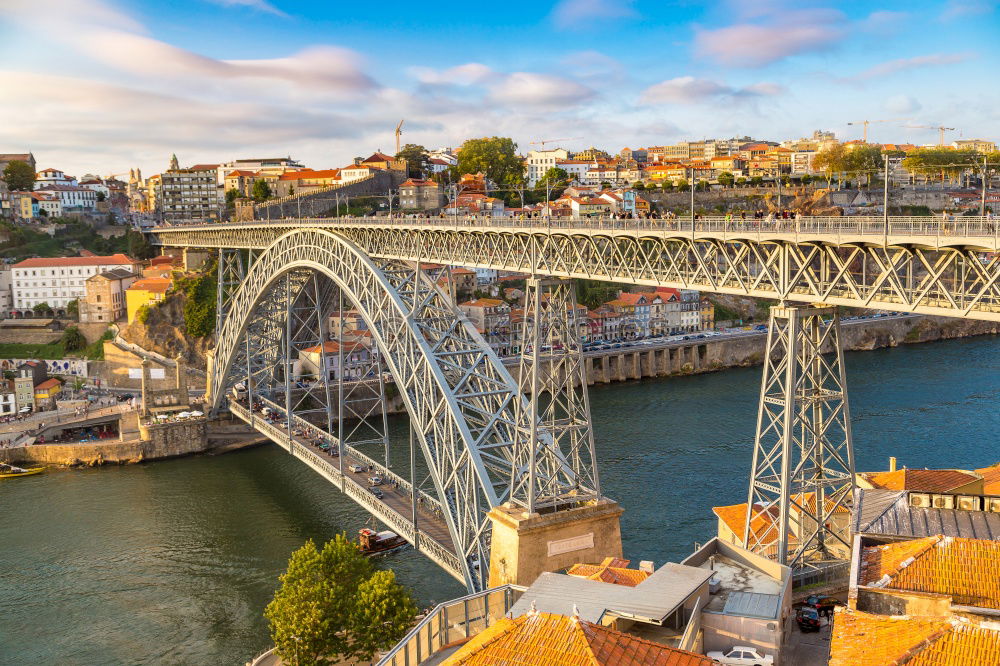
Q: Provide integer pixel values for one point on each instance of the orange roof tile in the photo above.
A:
(47, 384)
(483, 303)
(967, 570)
(921, 480)
(863, 639)
(991, 479)
(52, 262)
(153, 284)
(333, 347)
(545, 639)
(611, 570)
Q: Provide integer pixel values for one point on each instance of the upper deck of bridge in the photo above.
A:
(924, 232)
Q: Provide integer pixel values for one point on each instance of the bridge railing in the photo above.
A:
(452, 622)
(854, 225)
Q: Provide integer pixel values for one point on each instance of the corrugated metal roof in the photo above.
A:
(898, 518)
(753, 604)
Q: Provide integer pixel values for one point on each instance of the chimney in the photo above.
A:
(892, 463)
(646, 565)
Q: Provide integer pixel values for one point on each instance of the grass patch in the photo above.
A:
(95, 350)
(14, 350)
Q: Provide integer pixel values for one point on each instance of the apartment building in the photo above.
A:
(59, 280)
(104, 296)
(540, 161)
(188, 194)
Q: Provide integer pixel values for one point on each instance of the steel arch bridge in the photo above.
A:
(467, 412)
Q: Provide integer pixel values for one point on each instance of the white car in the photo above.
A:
(741, 655)
(357, 469)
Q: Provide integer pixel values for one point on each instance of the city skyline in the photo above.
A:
(104, 86)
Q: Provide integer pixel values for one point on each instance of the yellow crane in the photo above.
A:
(940, 128)
(866, 123)
(542, 143)
(399, 131)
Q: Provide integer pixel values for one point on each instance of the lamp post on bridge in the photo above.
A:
(885, 201)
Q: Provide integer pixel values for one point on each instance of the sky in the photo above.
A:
(101, 86)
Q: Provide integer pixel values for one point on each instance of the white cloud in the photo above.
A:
(472, 73)
(902, 104)
(540, 90)
(956, 9)
(259, 5)
(569, 14)
(690, 90)
(902, 64)
(776, 36)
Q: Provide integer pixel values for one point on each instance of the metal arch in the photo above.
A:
(459, 396)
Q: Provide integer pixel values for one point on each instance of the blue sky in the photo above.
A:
(104, 85)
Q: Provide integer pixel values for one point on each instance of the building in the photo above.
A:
(46, 392)
(28, 375)
(952, 481)
(354, 172)
(304, 181)
(491, 317)
(147, 291)
(8, 397)
(901, 514)
(357, 361)
(978, 145)
(104, 296)
(188, 194)
(6, 295)
(381, 161)
(72, 198)
(59, 280)
(540, 161)
(7, 158)
(47, 177)
(417, 194)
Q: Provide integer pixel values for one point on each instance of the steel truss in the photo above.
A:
(465, 407)
(960, 280)
(553, 373)
(803, 464)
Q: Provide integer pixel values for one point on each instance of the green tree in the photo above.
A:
(863, 161)
(139, 246)
(73, 308)
(726, 179)
(199, 306)
(77, 384)
(805, 179)
(831, 160)
(383, 612)
(639, 186)
(42, 308)
(682, 184)
(260, 191)
(945, 162)
(416, 159)
(756, 181)
(666, 186)
(101, 196)
(72, 339)
(702, 185)
(19, 176)
(741, 181)
(494, 156)
(232, 194)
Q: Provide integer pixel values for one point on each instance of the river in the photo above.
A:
(173, 562)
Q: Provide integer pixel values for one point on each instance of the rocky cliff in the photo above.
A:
(163, 332)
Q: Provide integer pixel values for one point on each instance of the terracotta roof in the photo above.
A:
(863, 639)
(735, 516)
(308, 174)
(54, 262)
(483, 303)
(546, 639)
(333, 347)
(154, 284)
(634, 299)
(991, 479)
(968, 570)
(240, 172)
(922, 480)
(611, 570)
(47, 384)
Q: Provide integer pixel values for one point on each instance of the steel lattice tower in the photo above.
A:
(803, 464)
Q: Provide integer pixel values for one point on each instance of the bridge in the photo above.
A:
(489, 443)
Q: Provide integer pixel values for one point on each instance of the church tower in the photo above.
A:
(173, 162)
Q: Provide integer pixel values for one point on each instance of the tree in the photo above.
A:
(726, 179)
(73, 308)
(741, 181)
(805, 179)
(946, 162)
(831, 160)
(232, 194)
(639, 186)
(139, 246)
(702, 185)
(383, 611)
(554, 177)
(682, 184)
(416, 159)
(101, 196)
(756, 181)
(19, 176)
(260, 191)
(332, 604)
(863, 161)
(666, 186)
(72, 339)
(78, 383)
(199, 306)
(494, 156)
(42, 308)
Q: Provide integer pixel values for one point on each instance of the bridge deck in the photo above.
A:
(430, 536)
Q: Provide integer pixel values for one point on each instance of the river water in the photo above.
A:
(174, 561)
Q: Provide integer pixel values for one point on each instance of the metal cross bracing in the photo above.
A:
(465, 409)
(802, 479)
(911, 269)
(552, 372)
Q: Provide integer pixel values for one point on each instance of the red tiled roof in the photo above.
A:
(863, 639)
(483, 303)
(308, 174)
(545, 639)
(51, 262)
(611, 570)
(47, 384)
(153, 284)
(922, 480)
(333, 347)
(991, 479)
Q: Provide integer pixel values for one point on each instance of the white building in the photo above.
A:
(52, 177)
(802, 161)
(8, 398)
(97, 185)
(6, 296)
(576, 169)
(59, 280)
(540, 161)
(71, 197)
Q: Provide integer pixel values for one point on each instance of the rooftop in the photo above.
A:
(545, 639)
(922, 480)
(153, 284)
(863, 639)
(888, 513)
(611, 570)
(54, 262)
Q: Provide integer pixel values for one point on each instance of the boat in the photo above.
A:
(10, 471)
(374, 543)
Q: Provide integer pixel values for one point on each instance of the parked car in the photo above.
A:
(807, 618)
(357, 469)
(822, 602)
(741, 655)
(376, 492)
(375, 480)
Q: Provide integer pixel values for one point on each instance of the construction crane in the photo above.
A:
(542, 143)
(940, 128)
(399, 130)
(866, 123)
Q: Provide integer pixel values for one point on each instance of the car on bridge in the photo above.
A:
(357, 469)
(375, 480)
(377, 493)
